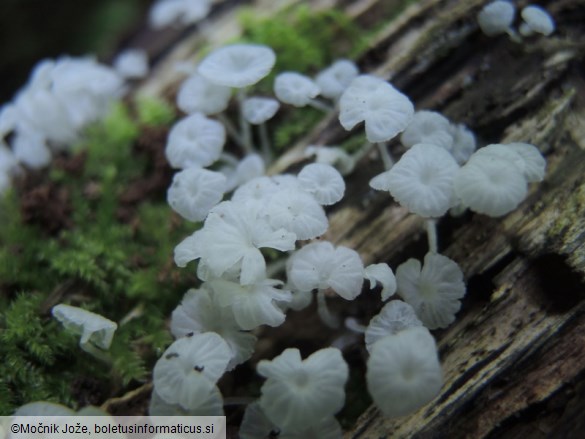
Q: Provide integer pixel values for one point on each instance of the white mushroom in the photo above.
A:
(382, 274)
(396, 316)
(433, 290)
(301, 393)
(132, 63)
(496, 17)
(536, 20)
(93, 328)
(198, 95)
(336, 78)
(490, 184)
(385, 111)
(295, 89)
(422, 180)
(195, 141)
(258, 110)
(404, 372)
(424, 126)
(324, 182)
(238, 65)
(195, 191)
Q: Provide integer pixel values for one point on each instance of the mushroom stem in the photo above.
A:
(513, 35)
(96, 352)
(353, 325)
(229, 159)
(275, 268)
(232, 131)
(244, 124)
(320, 105)
(362, 152)
(265, 143)
(432, 235)
(385, 155)
(324, 313)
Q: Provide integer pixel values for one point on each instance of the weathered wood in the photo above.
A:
(514, 360)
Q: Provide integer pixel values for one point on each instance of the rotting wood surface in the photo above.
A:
(514, 360)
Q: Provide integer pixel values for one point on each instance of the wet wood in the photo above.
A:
(514, 360)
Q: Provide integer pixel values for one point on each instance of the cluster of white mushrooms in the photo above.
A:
(61, 98)
(240, 291)
(240, 211)
(498, 17)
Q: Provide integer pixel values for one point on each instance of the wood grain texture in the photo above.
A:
(514, 360)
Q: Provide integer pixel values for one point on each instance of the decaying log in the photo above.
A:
(514, 360)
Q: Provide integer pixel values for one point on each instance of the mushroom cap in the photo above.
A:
(534, 164)
(396, 316)
(490, 184)
(295, 89)
(252, 304)
(194, 191)
(93, 328)
(249, 168)
(381, 273)
(210, 404)
(163, 13)
(404, 372)
(422, 180)
(324, 182)
(464, 143)
(198, 95)
(30, 148)
(385, 111)
(238, 65)
(195, 141)
(496, 17)
(423, 125)
(321, 265)
(132, 63)
(189, 368)
(536, 20)
(434, 291)
(297, 212)
(336, 78)
(299, 392)
(199, 312)
(255, 424)
(258, 110)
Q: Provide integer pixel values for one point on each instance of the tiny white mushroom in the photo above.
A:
(336, 78)
(433, 290)
(422, 180)
(332, 155)
(189, 368)
(496, 17)
(238, 65)
(197, 94)
(195, 141)
(490, 184)
(382, 274)
(258, 110)
(302, 392)
(423, 126)
(324, 182)
(295, 89)
(536, 20)
(396, 316)
(93, 328)
(195, 191)
(199, 313)
(385, 111)
(404, 372)
(132, 63)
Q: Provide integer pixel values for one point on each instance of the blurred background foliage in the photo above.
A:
(34, 29)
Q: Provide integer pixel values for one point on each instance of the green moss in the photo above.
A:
(294, 125)
(154, 112)
(303, 39)
(96, 261)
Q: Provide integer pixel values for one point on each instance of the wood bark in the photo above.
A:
(514, 360)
